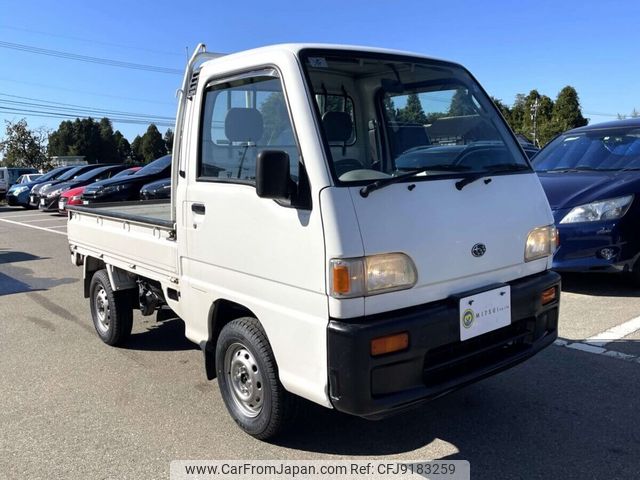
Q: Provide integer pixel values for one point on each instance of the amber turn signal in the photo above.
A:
(548, 296)
(389, 344)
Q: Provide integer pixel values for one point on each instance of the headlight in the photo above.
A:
(541, 242)
(364, 276)
(39, 188)
(602, 210)
(19, 190)
(109, 189)
(57, 192)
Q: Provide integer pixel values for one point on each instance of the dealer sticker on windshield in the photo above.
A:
(485, 312)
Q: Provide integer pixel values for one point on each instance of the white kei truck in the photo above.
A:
(355, 226)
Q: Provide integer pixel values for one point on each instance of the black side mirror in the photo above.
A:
(272, 175)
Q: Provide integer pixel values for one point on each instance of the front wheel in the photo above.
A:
(111, 311)
(248, 380)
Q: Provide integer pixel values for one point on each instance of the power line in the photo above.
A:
(75, 90)
(63, 116)
(89, 40)
(89, 59)
(75, 107)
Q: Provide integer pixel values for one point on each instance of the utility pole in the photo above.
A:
(534, 119)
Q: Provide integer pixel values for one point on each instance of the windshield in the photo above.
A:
(156, 166)
(126, 173)
(601, 149)
(53, 173)
(68, 175)
(92, 173)
(385, 115)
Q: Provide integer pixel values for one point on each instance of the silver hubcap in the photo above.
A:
(245, 379)
(102, 309)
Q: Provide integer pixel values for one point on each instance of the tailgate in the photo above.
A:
(140, 244)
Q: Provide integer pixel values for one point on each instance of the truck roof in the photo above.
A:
(295, 48)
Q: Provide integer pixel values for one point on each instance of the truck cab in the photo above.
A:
(353, 226)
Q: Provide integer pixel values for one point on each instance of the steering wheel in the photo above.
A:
(345, 165)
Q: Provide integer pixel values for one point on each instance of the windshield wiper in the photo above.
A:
(378, 184)
(491, 169)
(570, 169)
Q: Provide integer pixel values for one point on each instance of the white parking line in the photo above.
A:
(596, 343)
(20, 215)
(32, 226)
(49, 219)
(615, 333)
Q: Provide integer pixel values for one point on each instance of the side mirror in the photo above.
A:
(272, 175)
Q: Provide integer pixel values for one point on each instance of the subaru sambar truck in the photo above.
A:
(354, 226)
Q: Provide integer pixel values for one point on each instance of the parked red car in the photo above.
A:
(73, 196)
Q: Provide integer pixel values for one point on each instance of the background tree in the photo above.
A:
(504, 109)
(61, 140)
(566, 112)
(136, 150)
(24, 147)
(108, 147)
(95, 140)
(461, 104)
(412, 112)
(153, 145)
(168, 140)
(275, 116)
(123, 147)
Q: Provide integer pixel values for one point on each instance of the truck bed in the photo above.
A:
(135, 236)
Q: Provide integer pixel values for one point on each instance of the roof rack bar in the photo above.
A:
(199, 55)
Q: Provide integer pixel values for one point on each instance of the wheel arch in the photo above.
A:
(90, 266)
(222, 312)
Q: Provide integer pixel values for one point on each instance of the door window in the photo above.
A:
(241, 118)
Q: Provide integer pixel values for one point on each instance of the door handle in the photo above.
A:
(198, 208)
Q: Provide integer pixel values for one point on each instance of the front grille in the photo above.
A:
(462, 358)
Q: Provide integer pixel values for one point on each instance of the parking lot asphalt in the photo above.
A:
(73, 407)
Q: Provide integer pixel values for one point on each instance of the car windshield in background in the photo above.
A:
(386, 116)
(92, 173)
(156, 166)
(69, 174)
(49, 175)
(604, 149)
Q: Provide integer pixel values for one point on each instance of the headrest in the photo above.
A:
(337, 126)
(243, 125)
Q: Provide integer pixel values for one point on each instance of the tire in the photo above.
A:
(248, 380)
(112, 312)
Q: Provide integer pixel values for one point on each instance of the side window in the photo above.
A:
(240, 119)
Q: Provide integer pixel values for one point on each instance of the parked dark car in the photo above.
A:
(127, 172)
(50, 195)
(73, 172)
(18, 195)
(527, 145)
(127, 188)
(156, 190)
(591, 176)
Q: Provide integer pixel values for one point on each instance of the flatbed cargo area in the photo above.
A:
(135, 236)
(157, 213)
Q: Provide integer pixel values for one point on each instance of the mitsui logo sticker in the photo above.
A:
(467, 318)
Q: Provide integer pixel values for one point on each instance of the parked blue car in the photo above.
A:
(591, 176)
(18, 194)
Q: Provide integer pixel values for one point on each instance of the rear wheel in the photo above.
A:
(112, 312)
(248, 380)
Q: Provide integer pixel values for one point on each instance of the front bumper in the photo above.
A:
(48, 204)
(587, 247)
(436, 362)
